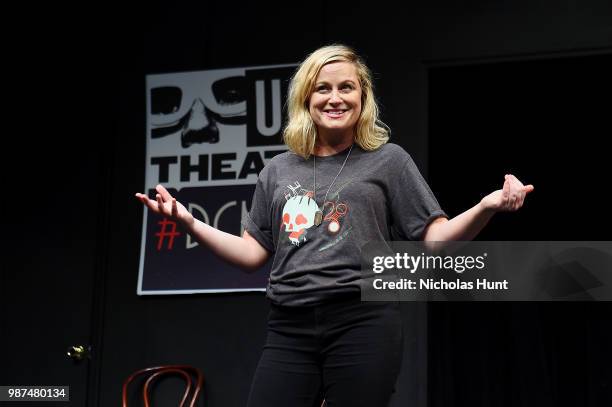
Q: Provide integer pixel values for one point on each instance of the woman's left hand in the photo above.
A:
(509, 198)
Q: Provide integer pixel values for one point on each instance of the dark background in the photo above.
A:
(545, 119)
(472, 90)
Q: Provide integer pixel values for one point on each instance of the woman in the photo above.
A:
(339, 186)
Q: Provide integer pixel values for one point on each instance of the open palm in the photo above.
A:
(510, 198)
(166, 205)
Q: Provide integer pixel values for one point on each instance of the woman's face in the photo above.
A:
(335, 103)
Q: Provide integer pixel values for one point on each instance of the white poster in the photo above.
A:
(209, 133)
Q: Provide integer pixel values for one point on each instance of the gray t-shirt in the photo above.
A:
(379, 195)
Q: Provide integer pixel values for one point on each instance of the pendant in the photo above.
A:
(318, 217)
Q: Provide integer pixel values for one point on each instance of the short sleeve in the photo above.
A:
(413, 204)
(258, 221)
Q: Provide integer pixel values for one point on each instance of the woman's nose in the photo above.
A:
(334, 97)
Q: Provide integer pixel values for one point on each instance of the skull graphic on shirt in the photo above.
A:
(298, 216)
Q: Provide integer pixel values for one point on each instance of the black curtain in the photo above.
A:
(546, 120)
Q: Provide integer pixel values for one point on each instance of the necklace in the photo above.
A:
(319, 213)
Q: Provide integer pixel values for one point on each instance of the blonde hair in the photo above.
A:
(300, 133)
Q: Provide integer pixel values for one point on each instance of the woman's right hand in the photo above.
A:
(245, 252)
(166, 205)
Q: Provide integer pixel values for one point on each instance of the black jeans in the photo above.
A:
(347, 352)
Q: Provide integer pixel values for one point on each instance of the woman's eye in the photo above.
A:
(326, 89)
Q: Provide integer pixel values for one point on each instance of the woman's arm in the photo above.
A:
(467, 225)
(244, 252)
